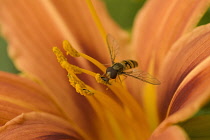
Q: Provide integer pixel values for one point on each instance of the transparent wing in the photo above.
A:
(143, 76)
(113, 47)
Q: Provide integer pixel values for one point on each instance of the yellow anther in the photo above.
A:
(82, 90)
(79, 89)
(72, 80)
(69, 49)
(99, 79)
(59, 54)
(64, 63)
(70, 68)
(87, 91)
(78, 85)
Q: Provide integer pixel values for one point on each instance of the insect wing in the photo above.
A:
(113, 46)
(143, 76)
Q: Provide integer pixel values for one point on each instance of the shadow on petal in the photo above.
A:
(56, 136)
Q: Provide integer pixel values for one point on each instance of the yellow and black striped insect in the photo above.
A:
(121, 68)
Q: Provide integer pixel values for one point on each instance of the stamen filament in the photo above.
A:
(88, 72)
(74, 53)
(94, 61)
(96, 19)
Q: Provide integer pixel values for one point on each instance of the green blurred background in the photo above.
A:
(122, 11)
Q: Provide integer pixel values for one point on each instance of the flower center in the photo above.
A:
(118, 112)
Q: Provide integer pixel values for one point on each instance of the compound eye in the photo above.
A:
(112, 72)
(109, 69)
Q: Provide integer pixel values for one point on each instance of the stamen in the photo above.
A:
(94, 61)
(74, 53)
(71, 68)
(63, 61)
(59, 55)
(83, 91)
(78, 85)
(99, 79)
(69, 49)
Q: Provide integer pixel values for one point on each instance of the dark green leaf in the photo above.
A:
(124, 11)
(5, 62)
(205, 19)
(198, 127)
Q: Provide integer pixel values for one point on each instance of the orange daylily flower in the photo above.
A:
(41, 104)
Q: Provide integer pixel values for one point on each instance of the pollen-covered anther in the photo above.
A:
(72, 80)
(79, 85)
(69, 49)
(71, 68)
(59, 55)
(99, 79)
(83, 90)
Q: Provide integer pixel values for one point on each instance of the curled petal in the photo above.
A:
(194, 90)
(19, 95)
(37, 126)
(186, 54)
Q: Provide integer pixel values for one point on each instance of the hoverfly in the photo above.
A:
(121, 68)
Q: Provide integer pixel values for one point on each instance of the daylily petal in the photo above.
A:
(33, 28)
(194, 90)
(18, 95)
(171, 132)
(31, 35)
(81, 25)
(160, 23)
(37, 126)
(189, 52)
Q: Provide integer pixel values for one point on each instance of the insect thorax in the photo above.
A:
(118, 67)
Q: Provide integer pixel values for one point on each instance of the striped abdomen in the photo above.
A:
(129, 64)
